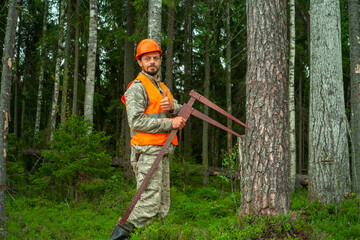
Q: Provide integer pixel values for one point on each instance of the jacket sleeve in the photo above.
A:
(137, 102)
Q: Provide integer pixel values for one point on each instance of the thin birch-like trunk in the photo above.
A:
(6, 80)
(328, 146)
(76, 61)
(91, 62)
(154, 20)
(42, 63)
(354, 30)
(59, 56)
(66, 66)
(292, 120)
(264, 169)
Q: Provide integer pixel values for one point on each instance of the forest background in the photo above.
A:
(72, 61)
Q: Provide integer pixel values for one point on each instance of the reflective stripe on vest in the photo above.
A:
(153, 111)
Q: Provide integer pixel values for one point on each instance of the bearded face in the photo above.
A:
(150, 63)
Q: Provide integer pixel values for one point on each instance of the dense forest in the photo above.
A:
(288, 69)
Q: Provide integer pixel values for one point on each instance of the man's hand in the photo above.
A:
(166, 104)
(178, 123)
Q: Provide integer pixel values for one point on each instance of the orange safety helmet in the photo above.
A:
(146, 46)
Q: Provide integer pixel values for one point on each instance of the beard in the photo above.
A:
(152, 70)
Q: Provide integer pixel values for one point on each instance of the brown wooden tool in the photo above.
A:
(185, 112)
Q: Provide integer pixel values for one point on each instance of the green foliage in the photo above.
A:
(77, 159)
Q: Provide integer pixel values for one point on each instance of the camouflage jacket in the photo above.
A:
(137, 102)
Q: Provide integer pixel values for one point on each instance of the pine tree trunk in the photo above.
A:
(76, 61)
(170, 46)
(265, 169)
(205, 135)
(66, 66)
(6, 78)
(292, 120)
(59, 55)
(328, 147)
(42, 63)
(228, 78)
(91, 61)
(354, 30)
(128, 67)
(154, 21)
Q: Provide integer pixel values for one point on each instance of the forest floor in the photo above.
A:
(196, 213)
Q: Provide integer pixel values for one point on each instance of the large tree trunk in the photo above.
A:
(42, 63)
(328, 147)
(91, 61)
(154, 21)
(66, 66)
(292, 120)
(205, 135)
(265, 169)
(6, 78)
(354, 31)
(76, 61)
(59, 55)
(170, 46)
(128, 67)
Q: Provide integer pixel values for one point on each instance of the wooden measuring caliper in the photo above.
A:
(185, 112)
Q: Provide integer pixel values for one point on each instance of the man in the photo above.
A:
(151, 112)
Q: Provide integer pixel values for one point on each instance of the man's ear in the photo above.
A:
(139, 62)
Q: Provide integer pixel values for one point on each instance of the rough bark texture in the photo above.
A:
(6, 78)
(170, 46)
(76, 62)
(128, 66)
(354, 25)
(42, 63)
(91, 61)
(154, 20)
(265, 169)
(205, 134)
(59, 55)
(328, 147)
(292, 120)
(66, 65)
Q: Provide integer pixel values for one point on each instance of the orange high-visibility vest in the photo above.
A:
(154, 111)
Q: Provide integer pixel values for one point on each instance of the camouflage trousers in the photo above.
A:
(155, 200)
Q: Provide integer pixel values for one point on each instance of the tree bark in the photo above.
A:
(91, 61)
(170, 46)
(42, 63)
(76, 61)
(292, 120)
(154, 21)
(66, 66)
(354, 30)
(6, 78)
(205, 135)
(328, 146)
(59, 55)
(265, 169)
(128, 67)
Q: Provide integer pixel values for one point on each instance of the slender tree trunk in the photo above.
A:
(91, 61)
(6, 78)
(59, 55)
(128, 67)
(301, 121)
(292, 120)
(354, 31)
(205, 136)
(154, 21)
(42, 63)
(170, 46)
(187, 75)
(328, 147)
(264, 170)
(76, 60)
(66, 66)
(17, 79)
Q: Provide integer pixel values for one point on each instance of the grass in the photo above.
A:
(196, 213)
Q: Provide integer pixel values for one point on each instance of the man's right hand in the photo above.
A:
(178, 122)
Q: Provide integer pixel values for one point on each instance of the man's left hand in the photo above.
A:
(166, 104)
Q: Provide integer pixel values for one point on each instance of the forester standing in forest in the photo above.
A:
(151, 112)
